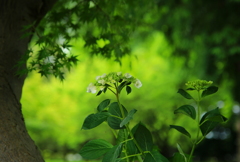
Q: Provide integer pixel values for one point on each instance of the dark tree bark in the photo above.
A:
(15, 143)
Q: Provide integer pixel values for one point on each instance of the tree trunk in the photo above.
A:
(15, 143)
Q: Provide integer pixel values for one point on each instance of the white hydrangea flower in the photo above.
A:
(127, 75)
(104, 75)
(98, 77)
(91, 88)
(138, 83)
(102, 81)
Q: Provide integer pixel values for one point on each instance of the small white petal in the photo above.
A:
(102, 82)
(127, 75)
(98, 77)
(138, 83)
(103, 75)
(91, 88)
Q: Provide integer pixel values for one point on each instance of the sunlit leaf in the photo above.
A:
(95, 149)
(187, 110)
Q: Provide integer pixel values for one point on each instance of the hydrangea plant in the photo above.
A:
(204, 122)
(136, 144)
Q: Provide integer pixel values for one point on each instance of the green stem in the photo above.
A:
(127, 126)
(198, 127)
(112, 91)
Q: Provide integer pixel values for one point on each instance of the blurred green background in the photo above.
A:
(54, 111)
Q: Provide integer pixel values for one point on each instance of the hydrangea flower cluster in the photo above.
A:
(198, 84)
(110, 79)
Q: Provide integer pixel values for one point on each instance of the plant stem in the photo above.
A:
(198, 126)
(127, 127)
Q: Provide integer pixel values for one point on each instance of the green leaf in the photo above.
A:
(181, 130)
(177, 157)
(213, 115)
(113, 153)
(99, 92)
(187, 110)
(155, 156)
(114, 109)
(210, 120)
(121, 136)
(103, 105)
(131, 148)
(93, 120)
(120, 87)
(143, 137)
(185, 94)
(128, 89)
(210, 90)
(207, 127)
(128, 117)
(95, 148)
(181, 152)
(114, 122)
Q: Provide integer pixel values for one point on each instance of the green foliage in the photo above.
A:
(143, 137)
(94, 120)
(129, 117)
(210, 90)
(113, 154)
(133, 143)
(205, 124)
(181, 130)
(177, 157)
(188, 110)
(95, 149)
(103, 105)
(185, 94)
(210, 120)
(105, 26)
(155, 156)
